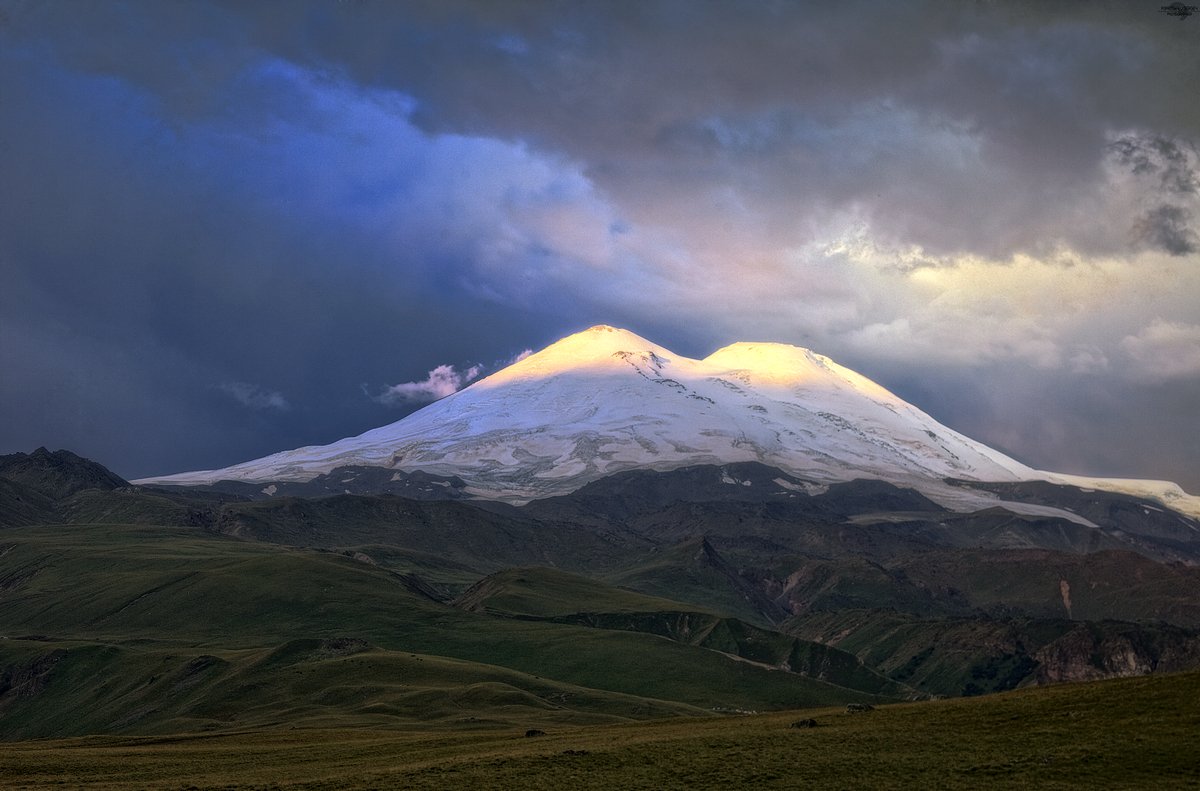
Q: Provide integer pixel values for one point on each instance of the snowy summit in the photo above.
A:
(606, 400)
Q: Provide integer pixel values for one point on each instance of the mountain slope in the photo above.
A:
(57, 475)
(552, 595)
(606, 400)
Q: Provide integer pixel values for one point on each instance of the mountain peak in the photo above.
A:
(603, 339)
(767, 358)
(57, 474)
(606, 400)
(598, 347)
(783, 363)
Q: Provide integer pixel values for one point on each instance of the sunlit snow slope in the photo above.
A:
(606, 400)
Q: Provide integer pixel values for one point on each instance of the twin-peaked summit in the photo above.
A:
(606, 400)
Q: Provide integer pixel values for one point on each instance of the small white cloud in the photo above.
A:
(254, 397)
(519, 357)
(1164, 350)
(441, 382)
(1087, 360)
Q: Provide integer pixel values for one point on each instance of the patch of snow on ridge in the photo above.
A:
(606, 400)
(1165, 492)
(811, 489)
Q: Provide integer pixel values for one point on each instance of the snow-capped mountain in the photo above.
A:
(606, 400)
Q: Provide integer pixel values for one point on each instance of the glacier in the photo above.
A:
(606, 400)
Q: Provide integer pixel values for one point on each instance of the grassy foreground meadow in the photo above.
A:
(1127, 733)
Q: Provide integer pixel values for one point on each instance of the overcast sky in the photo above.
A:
(228, 229)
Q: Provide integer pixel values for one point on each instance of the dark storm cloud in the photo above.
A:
(957, 126)
(1092, 427)
(303, 199)
(166, 274)
(1168, 228)
(1173, 165)
(1164, 158)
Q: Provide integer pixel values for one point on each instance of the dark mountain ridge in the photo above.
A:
(57, 475)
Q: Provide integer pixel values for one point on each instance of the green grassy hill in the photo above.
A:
(546, 593)
(110, 618)
(66, 688)
(561, 597)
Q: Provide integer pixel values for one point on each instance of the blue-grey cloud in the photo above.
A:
(253, 396)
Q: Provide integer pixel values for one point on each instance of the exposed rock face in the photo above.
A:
(340, 646)
(1088, 653)
(974, 656)
(1064, 589)
(28, 679)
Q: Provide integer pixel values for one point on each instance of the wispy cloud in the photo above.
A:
(441, 382)
(1164, 350)
(254, 397)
